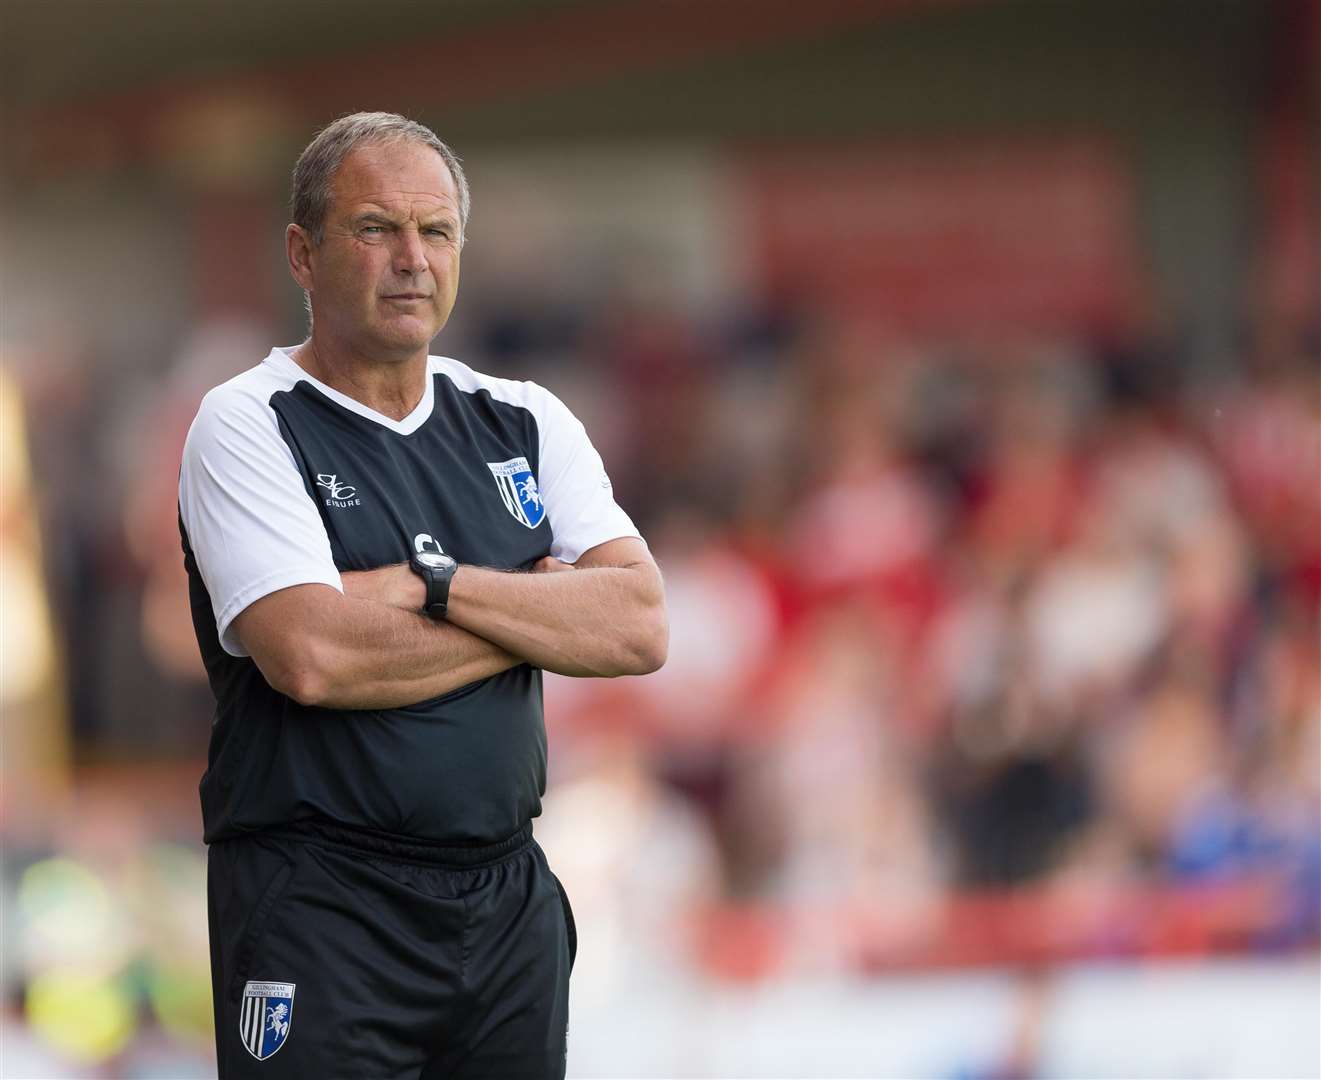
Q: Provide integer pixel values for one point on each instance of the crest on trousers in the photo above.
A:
(266, 1017)
(518, 489)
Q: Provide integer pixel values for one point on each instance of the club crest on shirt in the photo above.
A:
(518, 489)
(266, 1017)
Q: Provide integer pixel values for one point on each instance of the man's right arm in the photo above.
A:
(336, 650)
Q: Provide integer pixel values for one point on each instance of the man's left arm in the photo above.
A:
(604, 616)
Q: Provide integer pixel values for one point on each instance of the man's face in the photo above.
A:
(384, 277)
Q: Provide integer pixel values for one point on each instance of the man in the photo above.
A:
(385, 548)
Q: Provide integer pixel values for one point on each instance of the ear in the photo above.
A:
(298, 247)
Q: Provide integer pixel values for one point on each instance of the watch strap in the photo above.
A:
(437, 580)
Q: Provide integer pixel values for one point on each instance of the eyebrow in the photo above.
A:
(445, 219)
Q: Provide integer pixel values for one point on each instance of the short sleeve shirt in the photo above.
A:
(286, 481)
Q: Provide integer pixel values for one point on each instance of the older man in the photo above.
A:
(385, 549)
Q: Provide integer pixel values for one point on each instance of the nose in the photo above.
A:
(409, 256)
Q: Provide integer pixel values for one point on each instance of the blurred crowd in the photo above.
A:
(954, 618)
(953, 621)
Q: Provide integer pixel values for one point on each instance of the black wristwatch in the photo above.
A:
(436, 570)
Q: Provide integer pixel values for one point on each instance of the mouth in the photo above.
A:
(407, 297)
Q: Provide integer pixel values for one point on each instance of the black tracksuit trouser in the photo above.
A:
(340, 954)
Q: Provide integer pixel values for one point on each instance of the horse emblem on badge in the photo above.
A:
(518, 489)
(266, 1016)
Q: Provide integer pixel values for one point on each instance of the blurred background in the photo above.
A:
(959, 361)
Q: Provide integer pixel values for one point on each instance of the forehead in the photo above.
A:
(394, 174)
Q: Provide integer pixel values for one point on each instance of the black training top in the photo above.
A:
(285, 481)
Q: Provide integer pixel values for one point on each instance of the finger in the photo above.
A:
(550, 565)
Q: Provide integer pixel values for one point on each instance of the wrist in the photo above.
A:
(434, 572)
(408, 591)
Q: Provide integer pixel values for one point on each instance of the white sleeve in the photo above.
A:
(579, 500)
(251, 524)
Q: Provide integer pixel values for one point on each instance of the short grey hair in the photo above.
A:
(320, 161)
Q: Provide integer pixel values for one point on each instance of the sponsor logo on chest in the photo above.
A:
(340, 496)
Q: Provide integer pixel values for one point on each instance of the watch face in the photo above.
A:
(432, 561)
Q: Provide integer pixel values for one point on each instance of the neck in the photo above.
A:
(391, 388)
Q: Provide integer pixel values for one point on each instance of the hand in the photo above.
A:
(550, 565)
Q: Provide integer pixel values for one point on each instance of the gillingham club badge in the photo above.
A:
(518, 489)
(266, 1017)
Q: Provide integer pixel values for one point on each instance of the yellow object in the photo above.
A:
(84, 1017)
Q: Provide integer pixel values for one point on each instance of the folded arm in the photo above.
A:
(371, 648)
(605, 618)
(343, 651)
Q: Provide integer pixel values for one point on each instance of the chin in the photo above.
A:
(400, 339)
